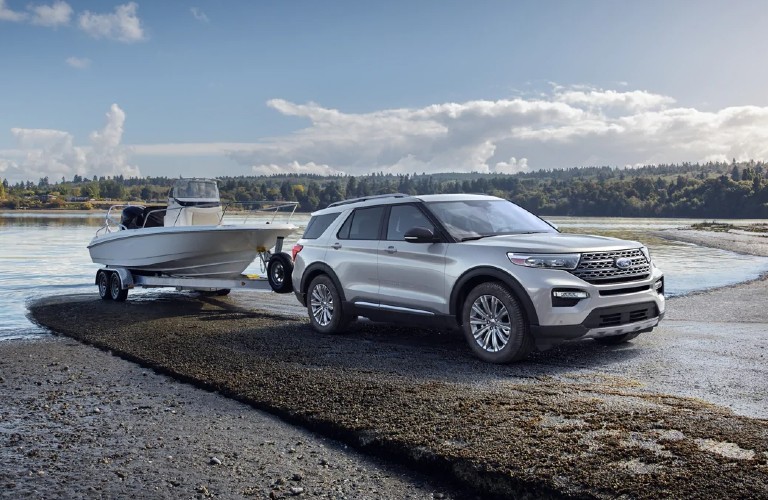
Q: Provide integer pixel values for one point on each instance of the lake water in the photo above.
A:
(43, 254)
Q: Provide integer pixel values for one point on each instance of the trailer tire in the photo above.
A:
(116, 292)
(223, 292)
(102, 281)
(279, 270)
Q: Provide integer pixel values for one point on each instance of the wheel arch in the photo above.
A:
(474, 277)
(314, 270)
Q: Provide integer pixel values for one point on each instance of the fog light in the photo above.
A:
(571, 294)
(567, 298)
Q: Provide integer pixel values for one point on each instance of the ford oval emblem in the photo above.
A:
(623, 262)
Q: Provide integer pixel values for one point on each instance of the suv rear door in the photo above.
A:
(352, 254)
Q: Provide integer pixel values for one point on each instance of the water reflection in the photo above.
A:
(18, 218)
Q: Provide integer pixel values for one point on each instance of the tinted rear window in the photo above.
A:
(318, 224)
(363, 224)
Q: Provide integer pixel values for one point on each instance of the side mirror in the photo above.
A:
(419, 235)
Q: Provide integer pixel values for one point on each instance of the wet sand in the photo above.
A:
(679, 412)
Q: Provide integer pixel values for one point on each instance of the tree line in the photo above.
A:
(709, 190)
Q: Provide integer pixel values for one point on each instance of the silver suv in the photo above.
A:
(508, 279)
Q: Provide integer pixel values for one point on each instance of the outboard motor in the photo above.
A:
(132, 217)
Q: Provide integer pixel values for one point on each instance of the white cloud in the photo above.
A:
(570, 127)
(511, 166)
(7, 14)
(52, 153)
(199, 14)
(566, 128)
(295, 168)
(107, 154)
(123, 25)
(56, 14)
(636, 100)
(78, 62)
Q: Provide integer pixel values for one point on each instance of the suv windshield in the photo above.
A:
(473, 219)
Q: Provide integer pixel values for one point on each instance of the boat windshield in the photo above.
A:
(199, 189)
(474, 219)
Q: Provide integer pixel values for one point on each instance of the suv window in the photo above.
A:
(318, 224)
(362, 224)
(405, 217)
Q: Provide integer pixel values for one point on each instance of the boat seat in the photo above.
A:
(132, 217)
(154, 216)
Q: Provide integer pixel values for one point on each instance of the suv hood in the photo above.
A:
(554, 243)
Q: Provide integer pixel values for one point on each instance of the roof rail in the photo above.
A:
(365, 198)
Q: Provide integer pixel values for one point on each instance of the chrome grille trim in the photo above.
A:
(600, 267)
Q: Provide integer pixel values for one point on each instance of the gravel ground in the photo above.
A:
(680, 412)
(79, 422)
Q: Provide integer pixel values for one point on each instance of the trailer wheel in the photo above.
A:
(223, 292)
(279, 270)
(115, 291)
(102, 280)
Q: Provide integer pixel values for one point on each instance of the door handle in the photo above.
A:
(391, 249)
(336, 245)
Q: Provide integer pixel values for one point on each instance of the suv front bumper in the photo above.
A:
(609, 310)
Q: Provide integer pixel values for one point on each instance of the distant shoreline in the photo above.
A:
(737, 240)
(50, 211)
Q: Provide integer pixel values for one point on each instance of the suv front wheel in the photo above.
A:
(494, 325)
(324, 306)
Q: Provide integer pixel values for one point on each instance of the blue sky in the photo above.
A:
(256, 87)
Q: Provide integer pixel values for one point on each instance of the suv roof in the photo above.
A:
(389, 199)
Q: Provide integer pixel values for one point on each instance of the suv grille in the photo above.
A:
(600, 267)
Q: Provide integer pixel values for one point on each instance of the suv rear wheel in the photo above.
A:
(494, 325)
(324, 306)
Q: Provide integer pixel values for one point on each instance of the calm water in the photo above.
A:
(45, 254)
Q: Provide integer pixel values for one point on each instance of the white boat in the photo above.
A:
(188, 237)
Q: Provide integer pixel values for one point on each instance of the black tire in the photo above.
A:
(617, 339)
(324, 306)
(223, 292)
(279, 270)
(116, 293)
(102, 281)
(494, 325)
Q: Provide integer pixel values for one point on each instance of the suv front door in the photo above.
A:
(411, 275)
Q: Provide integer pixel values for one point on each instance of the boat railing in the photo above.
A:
(110, 223)
(261, 208)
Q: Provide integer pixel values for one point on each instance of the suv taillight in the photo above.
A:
(295, 251)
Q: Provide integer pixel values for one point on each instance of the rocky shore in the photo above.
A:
(678, 413)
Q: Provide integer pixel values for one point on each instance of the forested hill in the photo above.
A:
(711, 190)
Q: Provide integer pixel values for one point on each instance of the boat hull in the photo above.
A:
(187, 251)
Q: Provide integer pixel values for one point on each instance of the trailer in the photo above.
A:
(115, 282)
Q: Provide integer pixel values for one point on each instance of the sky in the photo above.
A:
(247, 87)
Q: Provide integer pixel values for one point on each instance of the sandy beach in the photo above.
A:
(677, 413)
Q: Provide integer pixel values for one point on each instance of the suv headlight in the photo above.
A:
(566, 261)
(646, 252)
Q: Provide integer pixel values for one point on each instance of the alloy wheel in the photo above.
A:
(490, 323)
(321, 302)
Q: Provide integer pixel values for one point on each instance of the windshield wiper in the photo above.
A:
(481, 236)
